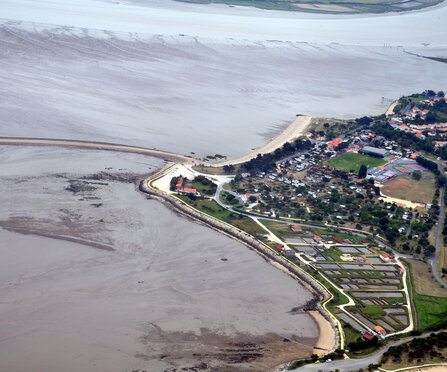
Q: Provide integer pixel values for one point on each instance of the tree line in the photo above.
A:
(266, 162)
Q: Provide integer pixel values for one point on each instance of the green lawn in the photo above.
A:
(213, 209)
(351, 161)
(432, 311)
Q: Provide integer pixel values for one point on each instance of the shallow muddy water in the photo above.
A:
(161, 294)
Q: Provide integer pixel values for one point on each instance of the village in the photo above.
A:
(347, 210)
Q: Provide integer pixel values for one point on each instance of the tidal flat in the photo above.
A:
(167, 292)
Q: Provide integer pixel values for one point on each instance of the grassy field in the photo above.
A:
(207, 169)
(351, 161)
(212, 208)
(423, 281)
(209, 189)
(409, 189)
(278, 228)
(431, 310)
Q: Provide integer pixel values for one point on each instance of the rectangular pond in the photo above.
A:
(356, 267)
(348, 249)
(363, 294)
(347, 319)
(374, 259)
(328, 266)
(364, 250)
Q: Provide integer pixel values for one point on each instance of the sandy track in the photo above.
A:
(296, 129)
(98, 146)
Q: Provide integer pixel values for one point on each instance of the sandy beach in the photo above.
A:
(326, 339)
(390, 110)
(294, 130)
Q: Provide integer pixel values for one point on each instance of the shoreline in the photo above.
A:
(296, 129)
(390, 110)
(326, 334)
(328, 339)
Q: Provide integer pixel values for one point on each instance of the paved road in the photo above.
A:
(97, 146)
(347, 365)
(434, 259)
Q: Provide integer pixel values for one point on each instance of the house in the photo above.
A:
(297, 228)
(183, 188)
(279, 247)
(380, 330)
(385, 258)
(188, 190)
(318, 239)
(179, 184)
(368, 336)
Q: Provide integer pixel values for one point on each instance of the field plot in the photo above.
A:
(378, 297)
(424, 282)
(429, 298)
(421, 191)
(351, 162)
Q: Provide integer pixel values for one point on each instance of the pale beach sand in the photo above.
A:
(294, 130)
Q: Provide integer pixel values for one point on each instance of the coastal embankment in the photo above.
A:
(328, 337)
(165, 155)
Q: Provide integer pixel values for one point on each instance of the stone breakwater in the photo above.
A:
(320, 293)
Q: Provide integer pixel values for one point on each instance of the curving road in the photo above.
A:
(347, 365)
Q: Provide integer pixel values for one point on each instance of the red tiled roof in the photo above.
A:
(189, 190)
(179, 182)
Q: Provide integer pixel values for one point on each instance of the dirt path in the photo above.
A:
(296, 129)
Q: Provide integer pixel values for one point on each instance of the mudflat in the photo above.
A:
(162, 296)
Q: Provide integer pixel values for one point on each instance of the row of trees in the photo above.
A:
(417, 348)
(266, 162)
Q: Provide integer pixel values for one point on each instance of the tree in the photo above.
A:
(362, 171)
(417, 176)
(228, 168)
